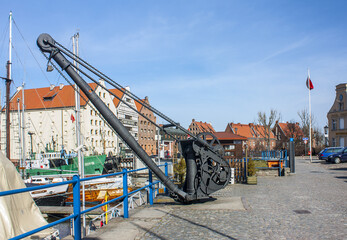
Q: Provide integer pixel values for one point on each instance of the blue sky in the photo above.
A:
(215, 61)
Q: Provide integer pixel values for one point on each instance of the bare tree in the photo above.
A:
(317, 135)
(305, 121)
(265, 125)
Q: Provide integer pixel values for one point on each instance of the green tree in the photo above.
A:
(180, 171)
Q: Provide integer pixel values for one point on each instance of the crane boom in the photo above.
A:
(206, 171)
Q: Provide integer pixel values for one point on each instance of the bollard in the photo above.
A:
(125, 193)
(292, 155)
(166, 174)
(150, 180)
(77, 207)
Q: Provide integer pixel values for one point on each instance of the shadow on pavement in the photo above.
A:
(341, 177)
(200, 225)
(339, 169)
(149, 231)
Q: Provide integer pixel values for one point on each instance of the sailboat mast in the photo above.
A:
(75, 49)
(23, 130)
(20, 137)
(9, 75)
(8, 83)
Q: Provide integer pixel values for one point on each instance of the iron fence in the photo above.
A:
(76, 183)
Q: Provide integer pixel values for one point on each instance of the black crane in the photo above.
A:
(206, 170)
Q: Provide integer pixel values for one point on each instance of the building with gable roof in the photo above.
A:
(128, 116)
(146, 129)
(200, 127)
(231, 143)
(285, 131)
(337, 118)
(255, 134)
(50, 115)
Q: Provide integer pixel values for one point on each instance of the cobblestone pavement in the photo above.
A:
(310, 204)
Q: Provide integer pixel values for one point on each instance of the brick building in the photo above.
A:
(255, 134)
(232, 144)
(284, 131)
(200, 127)
(146, 129)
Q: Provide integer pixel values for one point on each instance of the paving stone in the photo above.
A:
(269, 207)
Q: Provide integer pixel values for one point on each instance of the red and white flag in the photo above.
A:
(309, 84)
(72, 118)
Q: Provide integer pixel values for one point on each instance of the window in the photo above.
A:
(127, 117)
(333, 124)
(91, 132)
(96, 132)
(342, 141)
(341, 106)
(91, 122)
(333, 142)
(229, 147)
(104, 95)
(91, 112)
(342, 123)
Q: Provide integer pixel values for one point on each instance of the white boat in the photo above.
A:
(52, 196)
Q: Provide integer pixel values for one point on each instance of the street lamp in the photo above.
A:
(326, 134)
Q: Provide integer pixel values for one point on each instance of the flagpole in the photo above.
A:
(309, 106)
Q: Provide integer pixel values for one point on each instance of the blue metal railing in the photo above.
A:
(280, 156)
(76, 215)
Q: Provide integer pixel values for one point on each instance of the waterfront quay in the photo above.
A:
(310, 204)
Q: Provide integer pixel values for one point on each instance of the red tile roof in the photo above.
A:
(261, 131)
(139, 105)
(119, 94)
(205, 127)
(286, 130)
(228, 136)
(43, 98)
(249, 130)
(243, 130)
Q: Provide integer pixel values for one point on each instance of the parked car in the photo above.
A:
(338, 157)
(326, 152)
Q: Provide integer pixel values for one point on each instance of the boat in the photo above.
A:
(96, 190)
(54, 163)
(53, 196)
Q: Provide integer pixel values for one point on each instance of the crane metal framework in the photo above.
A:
(206, 170)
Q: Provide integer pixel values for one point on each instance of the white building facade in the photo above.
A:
(50, 116)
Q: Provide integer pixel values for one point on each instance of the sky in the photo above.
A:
(212, 61)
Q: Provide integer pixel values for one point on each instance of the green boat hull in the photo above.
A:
(93, 165)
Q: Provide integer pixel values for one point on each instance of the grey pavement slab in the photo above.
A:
(310, 204)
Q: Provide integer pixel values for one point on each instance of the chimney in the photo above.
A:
(61, 86)
(51, 87)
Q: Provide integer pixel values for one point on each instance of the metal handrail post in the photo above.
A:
(77, 207)
(150, 180)
(166, 174)
(125, 193)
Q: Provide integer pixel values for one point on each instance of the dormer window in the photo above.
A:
(49, 96)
